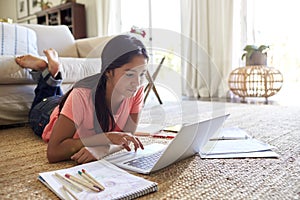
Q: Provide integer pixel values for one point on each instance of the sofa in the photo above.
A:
(79, 58)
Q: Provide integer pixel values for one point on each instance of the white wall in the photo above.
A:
(8, 9)
(91, 16)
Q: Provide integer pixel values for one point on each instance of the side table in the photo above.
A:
(255, 81)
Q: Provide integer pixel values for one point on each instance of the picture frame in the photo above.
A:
(33, 6)
(22, 8)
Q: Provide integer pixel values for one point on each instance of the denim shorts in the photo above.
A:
(39, 116)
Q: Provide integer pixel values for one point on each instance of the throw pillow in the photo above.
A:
(17, 40)
(58, 37)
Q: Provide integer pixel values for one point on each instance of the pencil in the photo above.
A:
(93, 179)
(86, 177)
(70, 192)
(72, 183)
(84, 183)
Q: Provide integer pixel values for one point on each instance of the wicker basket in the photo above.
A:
(255, 81)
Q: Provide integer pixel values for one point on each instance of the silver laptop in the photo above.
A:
(188, 141)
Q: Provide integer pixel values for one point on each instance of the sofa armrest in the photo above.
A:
(91, 47)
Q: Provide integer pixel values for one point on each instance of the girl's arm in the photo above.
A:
(131, 123)
(62, 145)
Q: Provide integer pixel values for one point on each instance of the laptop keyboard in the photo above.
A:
(145, 162)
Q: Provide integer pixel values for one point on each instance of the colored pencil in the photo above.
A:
(86, 177)
(84, 183)
(70, 192)
(72, 183)
(93, 179)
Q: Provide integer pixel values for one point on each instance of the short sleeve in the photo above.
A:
(79, 108)
(74, 106)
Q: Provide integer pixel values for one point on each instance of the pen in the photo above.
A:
(164, 136)
(171, 131)
(230, 138)
(142, 134)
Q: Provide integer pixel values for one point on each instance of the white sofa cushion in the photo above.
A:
(57, 37)
(12, 73)
(17, 40)
(73, 69)
(16, 100)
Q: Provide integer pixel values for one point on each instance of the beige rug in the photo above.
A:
(23, 156)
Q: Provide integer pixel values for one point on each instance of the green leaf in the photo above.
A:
(244, 55)
(263, 48)
(250, 48)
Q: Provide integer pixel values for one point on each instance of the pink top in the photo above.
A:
(79, 108)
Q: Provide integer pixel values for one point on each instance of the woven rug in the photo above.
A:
(23, 156)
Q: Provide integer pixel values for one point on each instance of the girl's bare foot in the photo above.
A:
(53, 62)
(31, 62)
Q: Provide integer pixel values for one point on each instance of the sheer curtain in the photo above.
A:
(108, 17)
(207, 28)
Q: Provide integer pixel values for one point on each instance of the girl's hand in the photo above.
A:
(83, 156)
(124, 139)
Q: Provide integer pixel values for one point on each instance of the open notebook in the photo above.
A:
(188, 141)
(117, 183)
(234, 142)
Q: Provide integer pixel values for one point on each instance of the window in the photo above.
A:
(150, 13)
(158, 15)
(275, 23)
(161, 20)
(134, 13)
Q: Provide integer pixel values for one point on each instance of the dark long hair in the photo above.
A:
(118, 51)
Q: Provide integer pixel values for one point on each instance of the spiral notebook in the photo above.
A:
(117, 183)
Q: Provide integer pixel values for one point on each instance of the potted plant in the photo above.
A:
(255, 55)
(67, 1)
(45, 4)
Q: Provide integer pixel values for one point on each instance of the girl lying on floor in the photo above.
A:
(98, 111)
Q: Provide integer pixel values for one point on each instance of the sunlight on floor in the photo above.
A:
(288, 95)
